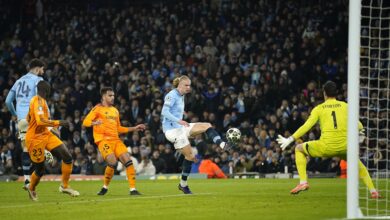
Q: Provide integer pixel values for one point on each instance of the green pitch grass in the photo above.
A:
(212, 199)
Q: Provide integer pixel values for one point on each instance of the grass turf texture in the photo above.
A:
(212, 199)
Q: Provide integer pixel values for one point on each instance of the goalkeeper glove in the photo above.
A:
(362, 136)
(284, 142)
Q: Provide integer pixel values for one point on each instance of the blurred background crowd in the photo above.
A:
(257, 65)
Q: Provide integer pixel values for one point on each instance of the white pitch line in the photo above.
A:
(102, 200)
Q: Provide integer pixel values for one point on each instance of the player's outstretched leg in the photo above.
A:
(365, 176)
(216, 138)
(211, 133)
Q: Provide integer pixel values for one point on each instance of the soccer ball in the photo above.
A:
(233, 135)
(49, 157)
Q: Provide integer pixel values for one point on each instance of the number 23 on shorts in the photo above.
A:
(106, 147)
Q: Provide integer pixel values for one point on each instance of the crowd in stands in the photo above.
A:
(255, 65)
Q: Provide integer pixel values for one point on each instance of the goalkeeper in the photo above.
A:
(332, 117)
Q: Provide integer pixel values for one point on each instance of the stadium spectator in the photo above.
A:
(98, 164)
(168, 156)
(159, 163)
(7, 164)
(146, 167)
(207, 166)
(140, 59)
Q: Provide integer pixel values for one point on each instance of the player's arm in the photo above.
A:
(168, 103)
(122, 129)
(311, 121)
(140, 127)
(362, 134)
(54, 130)
(90, 119)
(9, 102)
(40, 117)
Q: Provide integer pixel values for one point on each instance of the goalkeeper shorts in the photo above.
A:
(319, 148)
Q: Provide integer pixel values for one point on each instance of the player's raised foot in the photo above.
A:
(69, 191)
(185, 189)
(299, 188)
(32, 194)
(102, 192)
(375, 195)
(26, 184)
(134, 193)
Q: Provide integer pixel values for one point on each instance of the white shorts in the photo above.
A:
(22, 128)
(179, 136)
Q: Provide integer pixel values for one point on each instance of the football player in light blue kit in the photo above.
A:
(177, 131)
(22, 92)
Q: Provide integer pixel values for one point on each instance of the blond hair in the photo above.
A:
(177, 80)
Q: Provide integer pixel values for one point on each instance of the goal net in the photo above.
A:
(374, 97)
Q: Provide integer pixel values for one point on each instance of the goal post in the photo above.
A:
(353, 109)
(369, 102)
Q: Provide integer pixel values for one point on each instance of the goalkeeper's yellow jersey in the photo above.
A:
(332, 116)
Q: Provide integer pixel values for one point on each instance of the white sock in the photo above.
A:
(302, 182)
(372, 190)
(183, 183)
(26, 177)
(106, 187)
(222, 144)
(132, 189)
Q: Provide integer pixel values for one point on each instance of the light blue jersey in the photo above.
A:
(22, 91)
(172, 110)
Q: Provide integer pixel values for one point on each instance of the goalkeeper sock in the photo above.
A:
(300, 161)
(185, 172)
(108, 174)
(365, 176)
(213, 135)
(66, 170)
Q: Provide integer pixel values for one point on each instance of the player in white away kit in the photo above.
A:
(177, 131)
(22, 92)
